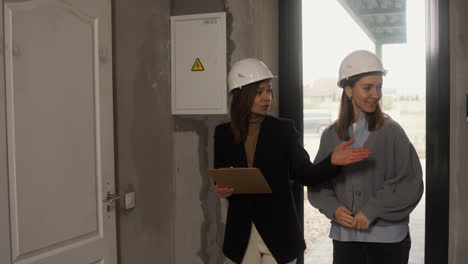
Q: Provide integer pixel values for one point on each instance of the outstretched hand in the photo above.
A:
(344, 156)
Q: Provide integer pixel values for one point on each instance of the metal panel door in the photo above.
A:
(57, 138)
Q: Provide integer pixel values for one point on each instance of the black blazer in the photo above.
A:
(278, 154)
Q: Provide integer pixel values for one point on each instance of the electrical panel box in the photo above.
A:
(198, 64)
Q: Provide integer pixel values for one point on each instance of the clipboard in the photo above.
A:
(243, 180)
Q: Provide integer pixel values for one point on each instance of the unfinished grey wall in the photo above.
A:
(197, 209)
(187, 7)
(255, 34)
(199, 214)
(198, 221)
(458, 241)
(163, 158)
(144, 129)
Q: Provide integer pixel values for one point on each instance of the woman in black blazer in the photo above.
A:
(264, 228)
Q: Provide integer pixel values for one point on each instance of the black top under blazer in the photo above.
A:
(280, 156)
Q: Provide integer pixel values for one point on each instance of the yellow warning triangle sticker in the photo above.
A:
(197, 66)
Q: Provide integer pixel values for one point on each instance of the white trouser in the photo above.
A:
(257, 252)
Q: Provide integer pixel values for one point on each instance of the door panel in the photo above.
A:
(59, 131)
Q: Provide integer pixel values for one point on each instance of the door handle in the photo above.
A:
(111, 197)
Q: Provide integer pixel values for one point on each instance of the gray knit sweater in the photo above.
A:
(387, 186)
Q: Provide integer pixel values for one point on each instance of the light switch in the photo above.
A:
(129, 200)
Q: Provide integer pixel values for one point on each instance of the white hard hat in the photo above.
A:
(359, 61)
(247, 71)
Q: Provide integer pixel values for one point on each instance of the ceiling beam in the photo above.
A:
(356, 18)
(382, 11)
(386, 24)
(393, 40)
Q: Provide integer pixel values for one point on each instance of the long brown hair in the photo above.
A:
(346, 112)
(240, 111)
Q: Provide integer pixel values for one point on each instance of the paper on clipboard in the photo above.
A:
(243, 180)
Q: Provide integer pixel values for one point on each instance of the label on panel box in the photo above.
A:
(197, 66)
(211, 21)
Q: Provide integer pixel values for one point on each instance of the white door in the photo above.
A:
(56, 133)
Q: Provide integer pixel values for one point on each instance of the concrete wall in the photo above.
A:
(255, 34)
(163, 158)
(144, 130)
(200, 215)
(458, 241)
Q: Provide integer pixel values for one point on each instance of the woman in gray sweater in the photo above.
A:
(369, 202)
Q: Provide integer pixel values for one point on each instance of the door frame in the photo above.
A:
(437, 113)
(290, 81)
(5, 244)
(437, 140)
